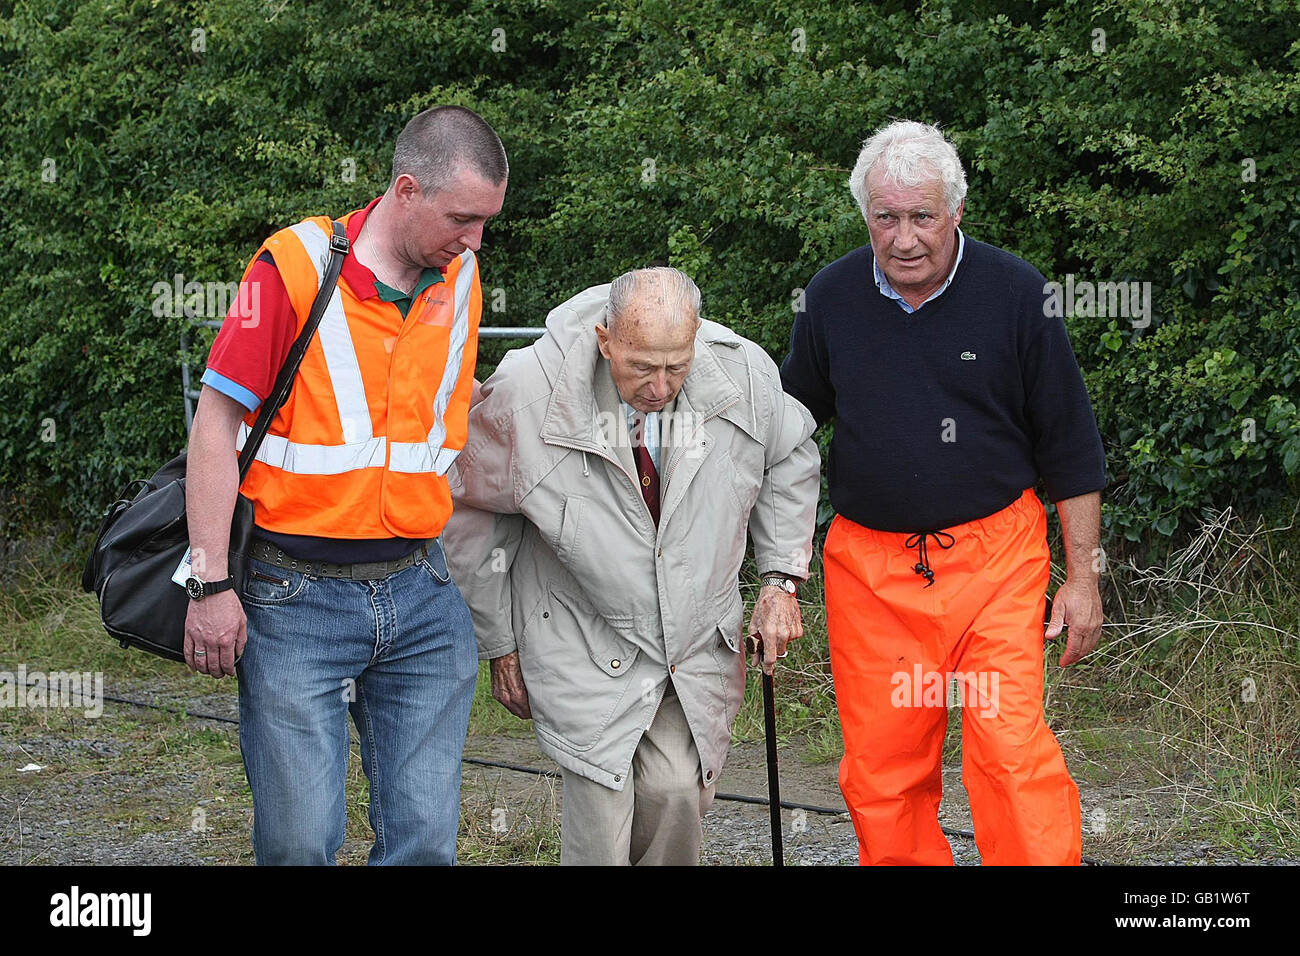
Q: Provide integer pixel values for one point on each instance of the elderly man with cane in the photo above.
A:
(602, 502)
(954, 390)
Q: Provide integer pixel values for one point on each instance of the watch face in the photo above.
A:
(195, 588)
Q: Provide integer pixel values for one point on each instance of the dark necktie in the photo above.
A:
(645, 467)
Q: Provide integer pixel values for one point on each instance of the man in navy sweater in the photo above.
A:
(953, 391)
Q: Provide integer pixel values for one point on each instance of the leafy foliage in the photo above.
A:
(717, 136)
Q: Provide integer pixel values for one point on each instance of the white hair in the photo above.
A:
(676, 298)
(913, 154)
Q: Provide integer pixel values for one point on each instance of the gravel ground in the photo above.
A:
(144, 787)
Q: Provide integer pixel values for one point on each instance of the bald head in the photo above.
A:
(658, 296)
(649, 335)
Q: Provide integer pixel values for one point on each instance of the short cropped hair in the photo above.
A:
(911, 154)
(440, 142)
(676, 294)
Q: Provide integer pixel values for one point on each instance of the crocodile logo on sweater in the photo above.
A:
(968, 356)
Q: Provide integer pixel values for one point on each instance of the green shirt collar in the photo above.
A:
(399, 298)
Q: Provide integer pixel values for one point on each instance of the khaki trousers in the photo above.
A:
(655, 819)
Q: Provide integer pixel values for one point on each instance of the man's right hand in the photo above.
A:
(216, 631)
(508, 685)
(215, 627)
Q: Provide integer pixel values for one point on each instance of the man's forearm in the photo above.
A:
(481, 549)
(784, 518)
(1081, 529)
(211, 483)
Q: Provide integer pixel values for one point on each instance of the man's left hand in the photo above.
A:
(1078, 605)
(776, 621)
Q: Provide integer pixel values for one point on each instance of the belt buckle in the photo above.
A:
(370, 570)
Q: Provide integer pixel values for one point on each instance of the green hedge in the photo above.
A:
(145, 140)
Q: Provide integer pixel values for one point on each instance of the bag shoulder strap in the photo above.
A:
(289, 371)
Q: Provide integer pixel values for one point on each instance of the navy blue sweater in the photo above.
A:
(947, 414)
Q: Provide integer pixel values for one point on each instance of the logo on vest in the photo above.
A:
(437, 309)
(968, 356)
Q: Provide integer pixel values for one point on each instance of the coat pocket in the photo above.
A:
(731, 621)
(575, 666)
(566, 544)
(727, 652)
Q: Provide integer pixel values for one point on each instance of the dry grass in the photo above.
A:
(1208, 655)
(1186, 719)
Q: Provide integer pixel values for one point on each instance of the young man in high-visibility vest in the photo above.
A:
(348, 605)
(954, 390)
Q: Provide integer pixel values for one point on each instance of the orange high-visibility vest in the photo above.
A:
(379, 409)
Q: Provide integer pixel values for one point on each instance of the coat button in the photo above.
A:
(659, 553)
(708, 775)
(617, 778)
(616, 664)
(672, 669)
(545, 615)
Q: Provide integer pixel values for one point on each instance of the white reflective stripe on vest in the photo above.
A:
(417, 456)
(336, 340)
(429, 455)
(301, 459)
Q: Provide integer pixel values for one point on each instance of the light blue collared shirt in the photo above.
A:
(651, 436)
(888, 292)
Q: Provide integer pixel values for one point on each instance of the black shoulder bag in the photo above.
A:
(144, 536)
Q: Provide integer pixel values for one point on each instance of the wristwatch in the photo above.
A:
(198, 590)
(780, 581)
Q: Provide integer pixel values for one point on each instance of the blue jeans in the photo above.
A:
(399, 653)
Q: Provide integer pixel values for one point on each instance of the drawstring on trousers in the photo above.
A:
(917, 541)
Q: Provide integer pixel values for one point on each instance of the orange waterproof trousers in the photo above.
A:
(900, 647)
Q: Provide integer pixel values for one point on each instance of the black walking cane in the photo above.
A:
(773, 776)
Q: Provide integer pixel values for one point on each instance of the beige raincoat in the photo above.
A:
(558, 557)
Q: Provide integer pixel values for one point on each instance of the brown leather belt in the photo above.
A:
(263, 550)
